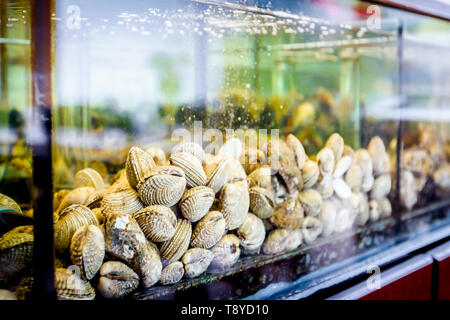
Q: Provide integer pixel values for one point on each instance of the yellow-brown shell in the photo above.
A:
(310, 174)
(172, 273)
(354, 177)
(124, 201)
(288, 214)
(190, 147)
(226, 252)
(71, 218)
(138, 166)
(192, 167)
(311, 201)
(336, 143)
(261, 177)
(95, 199)
(70, 286)
(165, 186)
(236, 171)
(325, 161)
(148, 265)
(251, 159)
(16, 250)
(219, 175)
(9, 203)
(234, 202)
(88, 177)
(209, 230)
(377, 150)
(196, 261)
(262, 202)
(158, 155)
(251, 234)
(116, 280)
(297, 148)
(196, 202)
(58, 197)
(157, 222)
(87, 250)
(280, 240)
(381, 187)
(385, 207)
(76, 196)
(173, 249)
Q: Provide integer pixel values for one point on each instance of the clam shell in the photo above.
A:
(363, 210)
(385, 207)
(196, 261)
(376, 148)
(71, 218)
(138, 166)
(342, 220)
(69, 286)
(325, 161)
(336, 143)
(383, 167)
(325, 186)
(288, 214)
(157, 222)
(88, 177)
(367, 183)
(76, 196)
(8, 203)
(87, 250)
(125, 201)
(236, 171)
(16, 250)
(251, 234)
(116, 280)
(196, 202)
(354, 177)
(57, 198)
(172, 273)
(374, 210)
(311, 201)
(251, 159)
(148, 265)
(280, 240)
(311, 229)
(364, 161)
(218, 176)
(298, 150)
(226, 252)
(158, 155)
(327, 216)
(441, 178)
(261, 202)
(234, 202)
(232, 148)
(209, 230)
(95, 199)
(342, 166)
(341, 189)
(192, 167)
(173, 249)
(348, 151)
(165, 186)
(310, 174)
(190, 147)
(408, 192)
(381, 187)
(261, 177)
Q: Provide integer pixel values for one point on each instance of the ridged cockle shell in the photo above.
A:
(173, 249)
(157, 222)
(172, 273)
(69, 286)
(261, 202)
(251, 234)
(192, 167)
(138, 166)
(190, 147)
(16, 250)
(234, 203)
(196, 261)
(196, 202)
(88, 177)
(209, 230)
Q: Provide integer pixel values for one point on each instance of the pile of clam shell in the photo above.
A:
(421, 163)
(168, 218)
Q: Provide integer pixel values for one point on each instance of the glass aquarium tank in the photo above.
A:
(217, 150)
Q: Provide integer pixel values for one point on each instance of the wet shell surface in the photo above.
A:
(261, 202)
(297, 148)
(234, 203)
(261, 177)
(251, 159)
(310, 174)
(69, 286)
(342, 166)
(125, 201)
(226, 252)
(218, 176)
(381, 187)
(288, 214)
(196, 202)
(16, 250)
(76, 196)
(325, 161)
(88, 178)
(190, 147)
(157, 222)
(209, 230)
(311, 201)
(173, 249)
(192, 167)
(311, 228)
(251, 234)
(71, 218)
(280, 240)
(196, 261)
(95, 199)
(158, 155)
(138, 166)
(116, 280)
(165, 186)
(87, 250)
(336, 143)
(328, 217)
(172, 273)
(341, 189)
(8, 203)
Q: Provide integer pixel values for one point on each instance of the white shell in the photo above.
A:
(328, 215)
(381, 187)
(342, 189)
(342, 166)
(325, 160)
(231, 148)
(311, 228)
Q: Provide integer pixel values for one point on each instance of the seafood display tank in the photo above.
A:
(218, 150)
